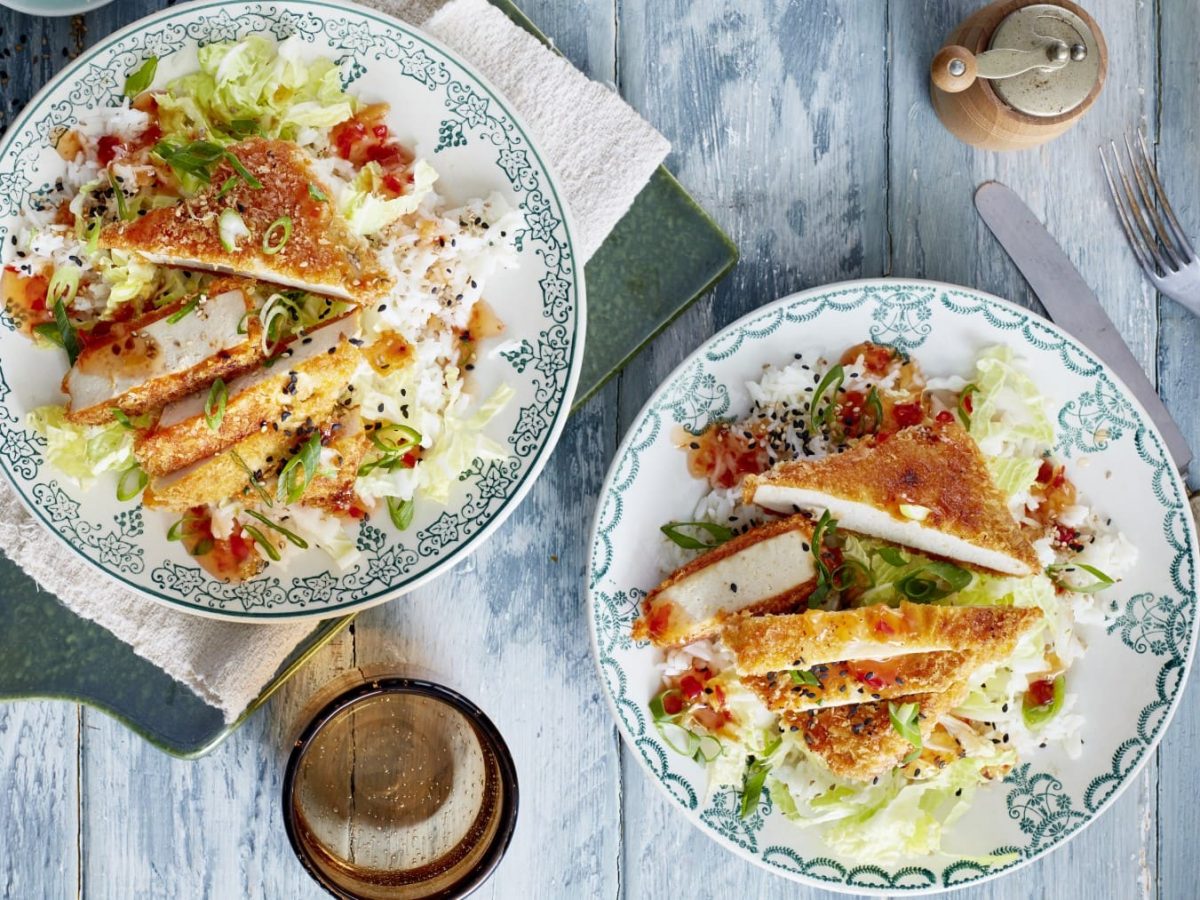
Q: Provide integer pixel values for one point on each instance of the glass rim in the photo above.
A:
(485, 730)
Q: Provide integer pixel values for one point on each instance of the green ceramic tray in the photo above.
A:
(660, 257)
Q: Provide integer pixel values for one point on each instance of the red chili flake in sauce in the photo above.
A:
(672, 704)
(877, 359)
(1041, 692)
(106, 149)
(907, 413)
(691, 687)
(884, 628)
(870, 679)
(945, 416)
(1045, 472)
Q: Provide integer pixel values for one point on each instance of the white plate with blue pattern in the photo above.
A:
(1129, 680)
(452, 116)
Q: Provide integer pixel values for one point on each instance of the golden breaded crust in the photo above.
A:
(335, 493)
(264, 453)
(321, 252)
(158, 392)
(663, 623)
(936, 466)
(284, 402)
(864, 681)
(859, 741)
(772, 643)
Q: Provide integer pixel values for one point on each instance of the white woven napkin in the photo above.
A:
(603, 154)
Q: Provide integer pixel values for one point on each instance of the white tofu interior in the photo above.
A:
(251, 269)
(866, 519)
(99, 376)
(321, 340)
(763, 570)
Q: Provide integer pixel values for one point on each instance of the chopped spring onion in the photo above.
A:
(392, 453)
(719, 534)
(243, 173)
(804, 676)
(700, 747)
(63, 285)
(253, 479)
(242, 326)
(184, 310)
(131, 482)
(290, 535)
(138, 81)
(964, 399)
(756, 777)
(67, 336)
(91, 235)
(203, 547)
(401, 512)
(826, 527)
(49, 331)
(849, 574)
(316, 193)
(261, 539)
(275, 315)
(175, 532)
(933, 581)
(244, 127)
(904, 722)
(914, 511)
(875, 405)
(892, 556)
(214, 405)
(1035, 713)
(119, 194)
(277, 235)
(1102, 579)
(300, 470)
(231, 228)
(832, 382)
(198, 158)
(228, 186)
(128, 423)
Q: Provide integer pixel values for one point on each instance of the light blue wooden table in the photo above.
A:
(804, 127)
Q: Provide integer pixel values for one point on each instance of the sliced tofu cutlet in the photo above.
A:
(859, 741)
(318, 254)
(154, 360)
(314, 369)
(767, 569)
(863, 681)
(773, 643)
(261, 456)
(934, 473)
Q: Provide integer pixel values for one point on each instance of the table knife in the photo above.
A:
(1070, 303)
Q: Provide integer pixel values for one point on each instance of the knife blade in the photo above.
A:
(1071, 304)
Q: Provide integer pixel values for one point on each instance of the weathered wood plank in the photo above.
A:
(154, 826)
(39, 799)
(937, 234)
(1178, 153)
(787, 153)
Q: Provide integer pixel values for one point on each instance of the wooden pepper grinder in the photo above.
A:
(1018, 73)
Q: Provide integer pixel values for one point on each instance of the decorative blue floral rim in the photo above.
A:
(547, 362)
(1161, 626)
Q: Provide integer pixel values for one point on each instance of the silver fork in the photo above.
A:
(1158, 241)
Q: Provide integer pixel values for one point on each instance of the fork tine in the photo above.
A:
(1134, 241)
(1135, 213)
(1176, 228)
(1156, 222)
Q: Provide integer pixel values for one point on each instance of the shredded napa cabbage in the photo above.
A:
(1009, 416)
(82, 452)
(367, 211)
(128, 276)
(462, 442)
(257, 81)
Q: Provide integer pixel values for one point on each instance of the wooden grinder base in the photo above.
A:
(980, 118)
